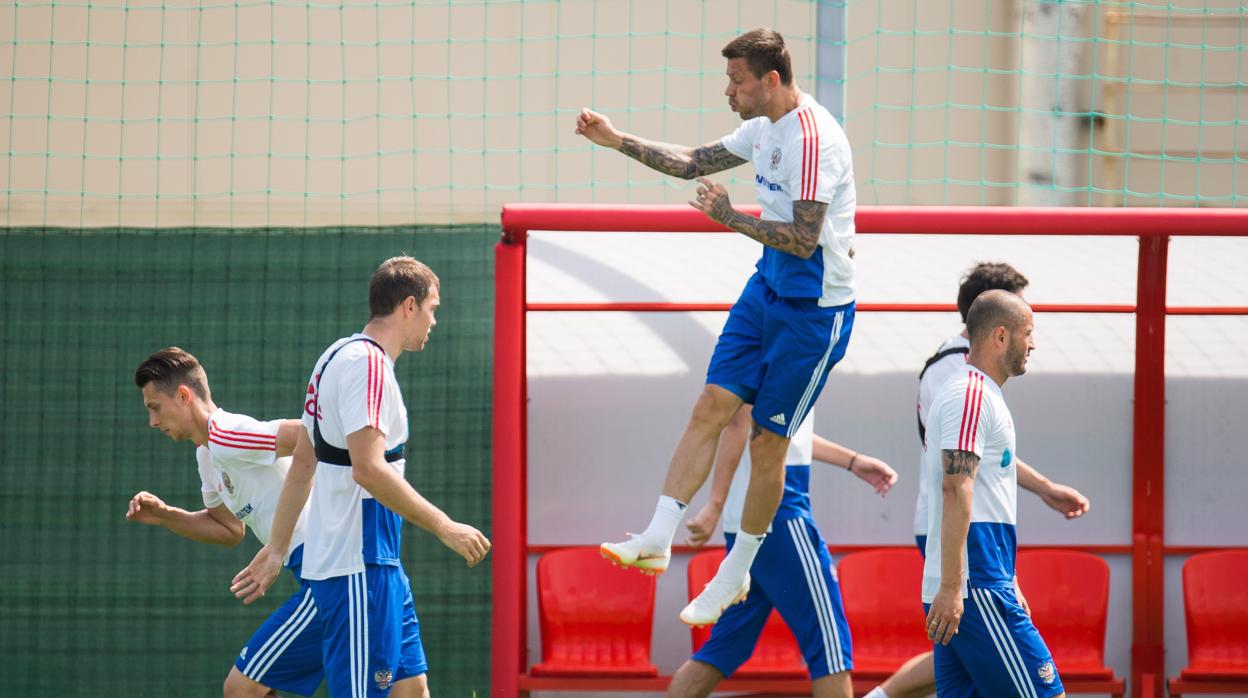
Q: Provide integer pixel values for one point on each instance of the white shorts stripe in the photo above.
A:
(998, 632)
(290, 638)
(804, 404)
(276, 638)
(1018, 656)
(818, 594)
(364, 635)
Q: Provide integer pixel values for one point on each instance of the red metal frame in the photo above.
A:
(1153, 226)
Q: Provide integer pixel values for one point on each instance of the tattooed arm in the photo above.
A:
(801, 237)
(675, 160)
(958, 486)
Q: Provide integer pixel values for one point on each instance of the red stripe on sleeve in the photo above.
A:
(801, 117)
(251, 434)
(814, 160)
(251, 441)
(243, 447)
(966, 402)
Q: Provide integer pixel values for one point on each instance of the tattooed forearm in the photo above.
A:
(801, 237)
(959, 462)
(677, 160)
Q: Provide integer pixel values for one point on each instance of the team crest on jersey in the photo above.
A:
(775, 158)
(225, 477)
(383, 678)
(1047, 673)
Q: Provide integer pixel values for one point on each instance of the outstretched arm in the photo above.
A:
(675, 160)
(869, 469)
(1063, 499)
(217, 525)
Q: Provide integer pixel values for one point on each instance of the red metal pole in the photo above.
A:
(509, 572)
(1148, 663)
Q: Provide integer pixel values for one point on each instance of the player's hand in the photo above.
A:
(1022, 600)
(1066, 501)
(597, 128)
(875, 472)
(468, 542)
(702, 526)
(255, 579)
(712, 200)
(945, 614)
(147, 508)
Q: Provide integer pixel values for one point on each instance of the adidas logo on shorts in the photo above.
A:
(777, 419)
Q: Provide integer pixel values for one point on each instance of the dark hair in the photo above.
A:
(992, 309)
(987, 276)
(171, 367)
(764, 51)
(395, 280)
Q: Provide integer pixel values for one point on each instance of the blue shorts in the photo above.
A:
(372, 637)
(792, 573)
(921, 541)
(997, 652)
(775, 353)
(285, 652)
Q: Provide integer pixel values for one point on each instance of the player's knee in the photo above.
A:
(714, 409)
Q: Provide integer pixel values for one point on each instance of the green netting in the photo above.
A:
(98, 606)
(252, 113)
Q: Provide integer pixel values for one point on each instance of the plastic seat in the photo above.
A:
(596, 619)
(1215, 607)
(776, 655)
(1068, 593)
(882, 592)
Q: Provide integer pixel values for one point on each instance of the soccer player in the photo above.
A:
(916, 678)
(793, 320)
(793, 572)
(242, 464)
(986, 643)
(352, 444)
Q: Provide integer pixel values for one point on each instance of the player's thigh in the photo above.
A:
(363, 627)
(412, 661)
(736, 363)
(1002, 649)
(794, 566)
(801, 344)
(411, 687)
(285, 651)
(953, 679)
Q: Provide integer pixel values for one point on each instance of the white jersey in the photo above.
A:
(969, 414)
(804, 155)
(796, 498)
(347, 528)
(240, 469)
(953, 361)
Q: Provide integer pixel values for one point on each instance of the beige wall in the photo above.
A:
(252, 113)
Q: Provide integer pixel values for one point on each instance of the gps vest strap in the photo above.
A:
(326, 452)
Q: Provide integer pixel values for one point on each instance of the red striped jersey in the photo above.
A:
(804, 155)
(347, 527)
(969, 413)
(240, 469)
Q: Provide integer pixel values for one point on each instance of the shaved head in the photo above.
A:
(993, 309)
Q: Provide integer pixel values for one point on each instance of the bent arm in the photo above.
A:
(217, 526)
(678, 160)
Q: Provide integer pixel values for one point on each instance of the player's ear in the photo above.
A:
(184, 395)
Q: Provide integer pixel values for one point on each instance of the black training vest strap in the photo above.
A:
(326, 452)
(935, 357)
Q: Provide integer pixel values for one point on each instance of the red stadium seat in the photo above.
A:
(882, 592)
(596, 619)
(1068, 593)
(776, 655)
(1215, 606)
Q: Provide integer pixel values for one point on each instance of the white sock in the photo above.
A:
(667, 516)
(877, 692)
(737, 564)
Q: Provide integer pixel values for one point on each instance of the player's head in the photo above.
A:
(987, 276)
(172, 382)
(406, 290)
(1000, 326)
(758, 65)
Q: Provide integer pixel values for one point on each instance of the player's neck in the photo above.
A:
(786, 100)
(997, 373)
(203, 409)
(387, 335)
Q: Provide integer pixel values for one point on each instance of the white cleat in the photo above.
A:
(636, 553)
(713, 601)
